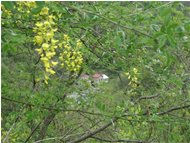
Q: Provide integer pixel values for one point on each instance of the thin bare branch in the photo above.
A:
(53, 109)
(107, 19)
(92, 133)
(119, 140)
(173, 109)
(13, 125)
(146, 97)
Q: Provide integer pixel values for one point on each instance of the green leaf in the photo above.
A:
(165, 12)
(117, 41)
(40, 5)
(30, 115)
(162, 40)
(6, 47)
(100, 106)
(171, 41)
(155, 27)
(36, 10)
(8, 5)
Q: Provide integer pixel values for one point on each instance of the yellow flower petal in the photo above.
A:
(54, 41)
(50, 71)
(135, 70)
(54, 63)
(45, 46)
(44, 59)
(40, 50)
(39, 24)
(46, 82)
(49, 35)
(46, 77)
(44, 11)
(127, 73)
(46, 65)
(38, 40)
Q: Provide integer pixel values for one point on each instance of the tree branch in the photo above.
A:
(92, 133)
(7, 134)
(173, 109)
(119, 140)
(30, 135)
(146, 97)
(53, 109)
(107, 19)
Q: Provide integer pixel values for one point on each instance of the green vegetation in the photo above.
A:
(143, 47)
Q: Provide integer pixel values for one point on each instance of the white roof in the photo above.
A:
(104, 76)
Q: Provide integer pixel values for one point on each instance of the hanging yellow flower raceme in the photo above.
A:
(132, 77)
(44, 38)
(70, 57)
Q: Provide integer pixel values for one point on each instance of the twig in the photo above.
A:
(119, 140)
(32, 132)
(47, 139)
(146, 97)
(173, 109)
(6, 137)
(92, 133)
(113, 22)
(53, 109)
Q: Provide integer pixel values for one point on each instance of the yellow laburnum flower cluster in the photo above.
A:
(5, 12)
(70, 57)
(45, 39)
(133, 77)
(25, 6)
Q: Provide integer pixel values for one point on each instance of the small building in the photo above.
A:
(97, 77)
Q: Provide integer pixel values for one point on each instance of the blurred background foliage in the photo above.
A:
(117, 38)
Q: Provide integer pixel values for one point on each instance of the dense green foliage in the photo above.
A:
(143, 47)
